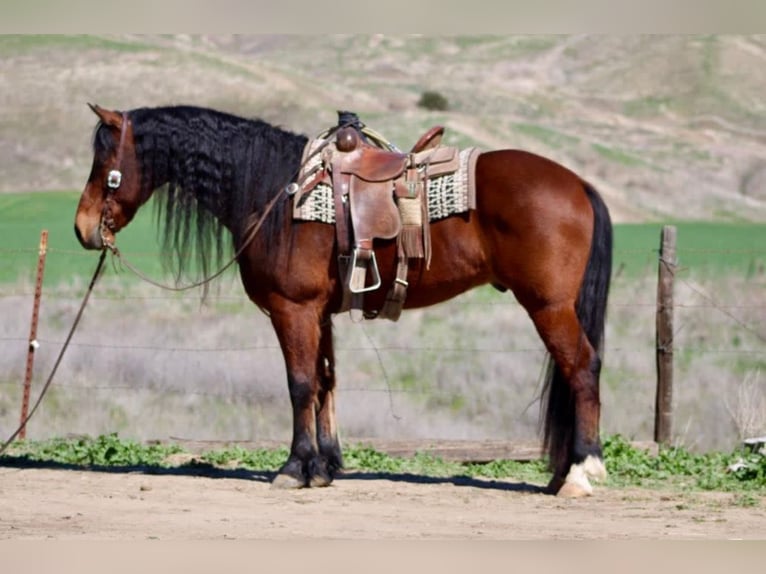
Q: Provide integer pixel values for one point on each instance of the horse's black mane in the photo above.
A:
(212, 171)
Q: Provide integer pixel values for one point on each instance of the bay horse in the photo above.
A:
(538, 230)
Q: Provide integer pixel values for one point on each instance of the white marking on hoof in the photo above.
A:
(594, 468)
(576, 483)
(287, 482)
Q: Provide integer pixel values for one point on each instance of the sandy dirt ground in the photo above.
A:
(63, 504)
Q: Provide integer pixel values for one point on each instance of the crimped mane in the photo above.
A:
(212, 171)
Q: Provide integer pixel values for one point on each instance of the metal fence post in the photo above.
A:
(33, 344)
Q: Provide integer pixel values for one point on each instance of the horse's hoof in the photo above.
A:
(287, 482)
(319, 473)
(576, 483)
(573, 490)
(319, 481)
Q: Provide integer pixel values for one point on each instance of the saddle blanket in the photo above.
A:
(446, 195)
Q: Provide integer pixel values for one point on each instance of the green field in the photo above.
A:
(23, 216)
(704, 248)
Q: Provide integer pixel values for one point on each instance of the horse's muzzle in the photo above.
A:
(90, 240)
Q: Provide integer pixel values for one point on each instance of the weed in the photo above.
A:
(748, 408)
(628, 466)
(105, 450)
(620, 156)
(746, 500)
(676, 466)
(549, 137)
(260, 459)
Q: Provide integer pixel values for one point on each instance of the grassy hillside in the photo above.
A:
(668, 127)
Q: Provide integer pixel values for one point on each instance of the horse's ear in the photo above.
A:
(108, 117)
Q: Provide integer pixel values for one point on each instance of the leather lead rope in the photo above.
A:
(76, 322)
(252, 232)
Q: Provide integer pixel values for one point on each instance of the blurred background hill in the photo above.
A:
(667, 127)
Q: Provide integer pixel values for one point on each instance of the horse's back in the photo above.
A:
(522, 176)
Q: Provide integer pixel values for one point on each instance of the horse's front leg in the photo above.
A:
(299, 333)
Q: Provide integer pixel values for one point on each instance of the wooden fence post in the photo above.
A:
(663, 419)
(33, 344)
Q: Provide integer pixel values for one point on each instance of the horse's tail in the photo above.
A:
(559, 416)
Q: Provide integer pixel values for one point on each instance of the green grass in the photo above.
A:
(646, 106)
(105, 450)
(22, 44)
(24, 216)
(673, 468)
(682, 469)
(703, 248)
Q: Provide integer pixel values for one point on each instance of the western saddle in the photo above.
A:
(379, 193)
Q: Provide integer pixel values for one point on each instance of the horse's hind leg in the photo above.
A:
(327, 430)
(572, 420)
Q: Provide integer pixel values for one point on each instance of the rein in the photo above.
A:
(114, 179)
(252, 231)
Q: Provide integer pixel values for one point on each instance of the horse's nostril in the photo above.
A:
(85, 240)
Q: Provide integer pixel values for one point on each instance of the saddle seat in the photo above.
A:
(373, 164)
(366, 173)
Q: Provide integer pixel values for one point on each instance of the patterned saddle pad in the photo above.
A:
(446, 195)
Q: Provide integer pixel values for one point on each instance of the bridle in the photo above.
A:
(113, 181)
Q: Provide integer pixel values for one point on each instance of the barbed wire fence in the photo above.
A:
(152, 365)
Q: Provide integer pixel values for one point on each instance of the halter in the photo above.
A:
(113, 181)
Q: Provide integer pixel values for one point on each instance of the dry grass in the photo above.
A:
(748, 406)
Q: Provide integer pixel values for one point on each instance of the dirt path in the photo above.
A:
(42, 503)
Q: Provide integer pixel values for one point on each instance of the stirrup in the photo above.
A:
(358, 274)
